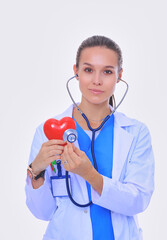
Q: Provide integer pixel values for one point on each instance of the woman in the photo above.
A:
(122, 186)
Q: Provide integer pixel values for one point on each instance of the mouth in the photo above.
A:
(96, 91)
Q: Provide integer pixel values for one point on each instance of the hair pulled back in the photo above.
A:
(100, 41)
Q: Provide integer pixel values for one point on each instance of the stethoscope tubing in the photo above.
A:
(94, 130)
(115, 108)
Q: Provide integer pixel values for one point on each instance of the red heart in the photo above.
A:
(54, 128)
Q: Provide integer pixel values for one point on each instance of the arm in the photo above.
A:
(39, 198)
(40, 201)
(131, 194)
(128, 196)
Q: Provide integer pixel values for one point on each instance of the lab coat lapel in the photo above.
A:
(122, 143)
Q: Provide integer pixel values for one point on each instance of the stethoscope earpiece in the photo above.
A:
(76, 76)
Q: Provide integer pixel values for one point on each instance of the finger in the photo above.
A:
(54, 153)
(54, 142)
(55, 147)
(78, 152)
(53, 158)
(66, 154)
(73, 146)
(72, 155)
(65, 157)
(71, 149)
(66, 163)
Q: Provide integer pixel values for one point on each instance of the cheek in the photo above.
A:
(81, 86)
(111, 86)
(83, 82)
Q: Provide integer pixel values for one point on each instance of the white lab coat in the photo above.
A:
(126, 194)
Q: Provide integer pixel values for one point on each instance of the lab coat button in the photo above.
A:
(85, 211)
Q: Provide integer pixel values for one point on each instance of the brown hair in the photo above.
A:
(100, 41)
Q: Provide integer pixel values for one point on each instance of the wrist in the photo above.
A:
(35, 170)
(34, 175)
(91, 175)
(37, 183)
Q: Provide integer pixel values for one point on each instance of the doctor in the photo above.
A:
(123, 185)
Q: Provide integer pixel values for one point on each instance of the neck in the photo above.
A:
(95, 112)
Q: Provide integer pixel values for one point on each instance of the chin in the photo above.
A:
(98, 101)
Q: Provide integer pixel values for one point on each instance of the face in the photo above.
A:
(98, 74)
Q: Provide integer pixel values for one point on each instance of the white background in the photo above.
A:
(38, 43)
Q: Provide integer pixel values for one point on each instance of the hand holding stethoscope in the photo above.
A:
(76, 161)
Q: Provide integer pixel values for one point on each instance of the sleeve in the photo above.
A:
(132, 194)
(39, 201)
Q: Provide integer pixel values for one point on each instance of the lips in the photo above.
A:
(96, 91)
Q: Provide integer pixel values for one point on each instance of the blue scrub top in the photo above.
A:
(103, 147)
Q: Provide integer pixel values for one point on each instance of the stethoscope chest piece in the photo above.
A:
(70, 135)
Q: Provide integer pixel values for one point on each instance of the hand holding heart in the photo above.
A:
(52, 150)
(49, 152)
(55, 149)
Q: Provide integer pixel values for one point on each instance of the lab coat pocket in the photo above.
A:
(140, 234)
(55, 229)
(61, 203)
(134, 230)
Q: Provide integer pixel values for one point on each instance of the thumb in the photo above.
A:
(72, 145)
(78, 151)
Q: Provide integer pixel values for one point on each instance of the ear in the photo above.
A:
(75, 71)
(120, 75)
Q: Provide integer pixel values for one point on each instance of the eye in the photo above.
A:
(88, 70)
(108, 72)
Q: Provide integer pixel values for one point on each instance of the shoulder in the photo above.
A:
(125, 121)
(130, 125)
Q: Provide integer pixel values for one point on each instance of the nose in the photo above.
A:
(97, 79)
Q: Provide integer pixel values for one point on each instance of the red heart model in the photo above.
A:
(54, 128)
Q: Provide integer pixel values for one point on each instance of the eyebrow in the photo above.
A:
(108, 66)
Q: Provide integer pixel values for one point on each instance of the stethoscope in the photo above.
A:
(94, 130)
